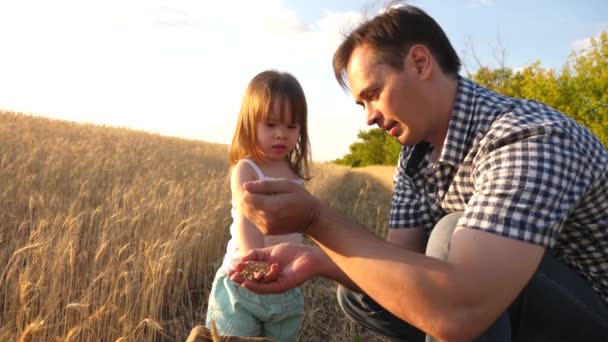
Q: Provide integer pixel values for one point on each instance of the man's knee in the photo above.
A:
(438, 245)
(348, 301)
(356, 306)
(364, 311)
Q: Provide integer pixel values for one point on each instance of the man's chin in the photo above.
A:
(403, 140)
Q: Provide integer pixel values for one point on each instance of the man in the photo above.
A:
(499, 218)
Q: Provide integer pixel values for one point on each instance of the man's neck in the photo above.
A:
(446, 95)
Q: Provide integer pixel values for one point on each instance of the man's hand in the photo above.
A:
(279, 206)
(291, 265)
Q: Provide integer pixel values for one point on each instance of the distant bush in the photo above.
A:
(376, 148)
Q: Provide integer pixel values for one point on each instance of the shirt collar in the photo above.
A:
(459, 134)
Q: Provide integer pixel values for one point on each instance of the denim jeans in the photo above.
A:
(237, 311)
(556, 305)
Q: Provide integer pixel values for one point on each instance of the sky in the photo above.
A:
(180, 67)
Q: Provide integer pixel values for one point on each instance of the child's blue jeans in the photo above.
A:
(556, 305)
(239, 312)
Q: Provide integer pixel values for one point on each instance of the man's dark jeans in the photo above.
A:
(556, 305)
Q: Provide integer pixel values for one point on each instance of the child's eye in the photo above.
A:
(270, 124)
(292, 126)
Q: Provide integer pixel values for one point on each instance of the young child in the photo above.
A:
(270, 141)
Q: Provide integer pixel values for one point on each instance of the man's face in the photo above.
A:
(390, 97)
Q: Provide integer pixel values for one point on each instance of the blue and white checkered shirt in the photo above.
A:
(516, 168)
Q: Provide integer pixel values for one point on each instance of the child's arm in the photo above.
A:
(248, 235)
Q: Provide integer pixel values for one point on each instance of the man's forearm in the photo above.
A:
(413, 239)
(331, 271)
(423, 291)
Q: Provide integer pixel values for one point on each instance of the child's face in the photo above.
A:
(277, 138)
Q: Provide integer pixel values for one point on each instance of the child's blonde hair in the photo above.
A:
(265, 88)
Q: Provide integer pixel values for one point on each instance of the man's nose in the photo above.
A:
(373, 117)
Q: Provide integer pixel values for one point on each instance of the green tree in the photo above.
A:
(580, 90)
(375, 148)
(496, 79)
(584, 86)
(534, 82)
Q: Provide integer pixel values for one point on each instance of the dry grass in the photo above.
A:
(110, 234)
(382, 173)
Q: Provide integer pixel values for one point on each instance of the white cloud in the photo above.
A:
(174, 17)
(341, 22)
(585, 43)
(481, 3)
(172, 67)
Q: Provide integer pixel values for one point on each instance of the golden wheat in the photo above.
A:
(114, 234)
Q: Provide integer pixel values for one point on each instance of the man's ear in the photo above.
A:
(421, 59)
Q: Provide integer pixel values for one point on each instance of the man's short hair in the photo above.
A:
(391, 34)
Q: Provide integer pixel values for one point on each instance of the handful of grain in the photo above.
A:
(254, 267)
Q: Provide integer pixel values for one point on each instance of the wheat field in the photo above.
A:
(111, 234)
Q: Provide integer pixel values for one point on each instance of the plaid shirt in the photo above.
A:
(516, 168)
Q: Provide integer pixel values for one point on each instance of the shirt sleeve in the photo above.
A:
(408, 208)
(525, 187)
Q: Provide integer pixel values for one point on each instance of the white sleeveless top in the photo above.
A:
(233, 254)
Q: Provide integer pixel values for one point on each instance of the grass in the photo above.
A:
(114, 234)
